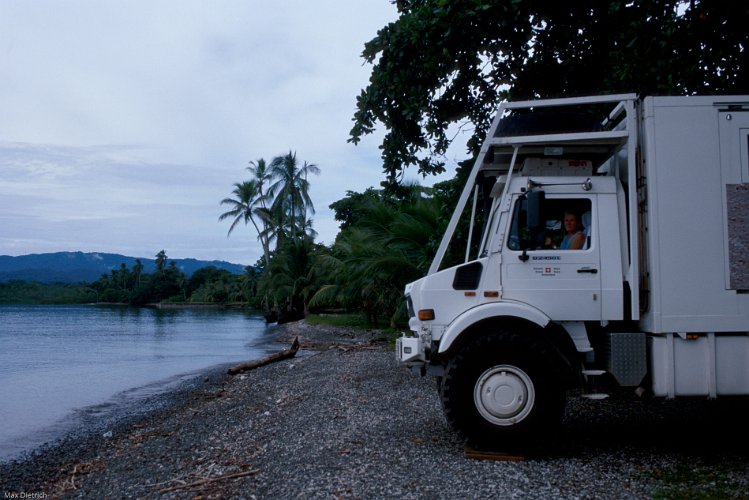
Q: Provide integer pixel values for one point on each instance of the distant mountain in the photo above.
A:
(74, 267)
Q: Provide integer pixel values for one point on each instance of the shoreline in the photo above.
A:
(179, 305)
(347, 421)
(93, 421)
(88, 438)
(86, 426)
(67, 368)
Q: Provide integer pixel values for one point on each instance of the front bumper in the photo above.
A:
(410, 350)
(414, 352)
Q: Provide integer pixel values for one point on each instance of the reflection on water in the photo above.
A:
(55, 360)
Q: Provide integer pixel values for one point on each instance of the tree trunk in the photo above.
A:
(272, 358)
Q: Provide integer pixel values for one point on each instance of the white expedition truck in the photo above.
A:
(654, 295)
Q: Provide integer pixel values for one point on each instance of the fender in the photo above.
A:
(490, 310)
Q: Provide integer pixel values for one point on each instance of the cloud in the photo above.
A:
(125, 123)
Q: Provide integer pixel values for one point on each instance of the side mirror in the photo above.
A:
(535, 219)
(534, 223)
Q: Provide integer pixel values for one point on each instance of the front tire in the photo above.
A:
(503, 390)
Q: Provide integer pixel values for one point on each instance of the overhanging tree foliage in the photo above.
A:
(447, 63)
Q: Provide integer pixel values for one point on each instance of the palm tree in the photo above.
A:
(161, 259)
(251, 203)
(390, 244)
(243, 209)
(292, 279)
(262, 177)
(291, 194)
(276, 201)
(137, 271)
(248, 283)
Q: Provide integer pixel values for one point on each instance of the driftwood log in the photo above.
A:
(271, 358)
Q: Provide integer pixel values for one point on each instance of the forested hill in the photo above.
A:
(75, 267)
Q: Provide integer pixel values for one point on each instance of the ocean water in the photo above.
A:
(57, 362)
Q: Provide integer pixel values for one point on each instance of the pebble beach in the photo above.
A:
(343, 420)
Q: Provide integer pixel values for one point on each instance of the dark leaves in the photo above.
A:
(447, 61)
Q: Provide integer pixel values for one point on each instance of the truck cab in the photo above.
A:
(563, 286)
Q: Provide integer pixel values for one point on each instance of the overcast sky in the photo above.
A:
(124, 123)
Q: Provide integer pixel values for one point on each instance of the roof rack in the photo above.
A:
(597, 142)
(503, 150)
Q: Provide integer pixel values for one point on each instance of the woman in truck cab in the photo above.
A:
(574, 237)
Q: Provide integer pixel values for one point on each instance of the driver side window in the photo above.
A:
(566, 225)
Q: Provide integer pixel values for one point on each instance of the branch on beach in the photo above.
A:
(251, 365)
(357, 347)
(209, 480)
(68, 483)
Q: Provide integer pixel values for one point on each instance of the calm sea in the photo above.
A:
(57, 362)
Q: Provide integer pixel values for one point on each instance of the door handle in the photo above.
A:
(589, 270)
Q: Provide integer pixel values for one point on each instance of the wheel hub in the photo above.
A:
(504, 395)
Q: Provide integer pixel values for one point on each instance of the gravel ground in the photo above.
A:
(343, 420)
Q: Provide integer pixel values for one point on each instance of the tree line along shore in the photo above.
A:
(208, 286)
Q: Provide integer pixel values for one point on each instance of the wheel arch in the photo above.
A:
(506, 313)
(553, 335)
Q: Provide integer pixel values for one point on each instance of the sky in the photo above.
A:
(123, 124)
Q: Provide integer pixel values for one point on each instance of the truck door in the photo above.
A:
(734, 143)
(548, 267)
